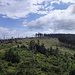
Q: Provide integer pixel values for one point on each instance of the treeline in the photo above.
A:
(67, 39)
(53, 35)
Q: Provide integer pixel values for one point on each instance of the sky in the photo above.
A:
(24, 18)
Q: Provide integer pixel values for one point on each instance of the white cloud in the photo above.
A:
(57, 20)
(7, 32)
(16, 32)
(21, 8)
(3, 30)
(63, 1)
(16, 9)
(68, 1)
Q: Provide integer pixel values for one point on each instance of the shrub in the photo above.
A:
(11, 56)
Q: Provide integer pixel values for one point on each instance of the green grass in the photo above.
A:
(48, 42)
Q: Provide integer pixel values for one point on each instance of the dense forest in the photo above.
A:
(42, 55)
(54, 35)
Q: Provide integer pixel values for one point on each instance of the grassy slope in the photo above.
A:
(48, 42)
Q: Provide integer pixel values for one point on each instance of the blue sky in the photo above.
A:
(27, 17)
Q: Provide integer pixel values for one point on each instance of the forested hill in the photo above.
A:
(36, 56)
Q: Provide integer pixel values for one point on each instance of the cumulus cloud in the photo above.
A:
(2, 30)
(57, 20)
(7, 33)
(16, 9)
(63, 1)
(68, 1)
(21, 8)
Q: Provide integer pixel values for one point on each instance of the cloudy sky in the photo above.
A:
(27, 17)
